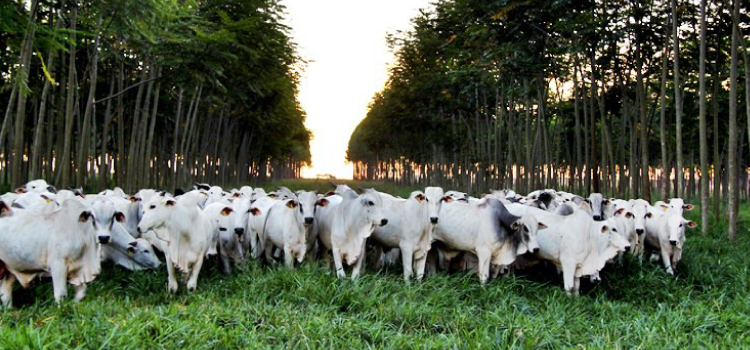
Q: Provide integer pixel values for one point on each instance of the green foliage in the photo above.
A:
(637, 305)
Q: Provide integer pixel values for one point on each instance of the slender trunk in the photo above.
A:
(147, 158)
(677, 98)
(645, 184)
(732, 148)
(717, 152)
(175, 136)
(663, 118)
(21, 79)
(83, 142)
(103, 158)
(69, 103)
(703, 123)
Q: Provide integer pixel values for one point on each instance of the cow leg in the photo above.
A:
(226, 268)
(80, 292)
(576, 285)
(667, 260)
(360, 262)
(419, 265)
(431, 261)
(6, 290)
(407, 255)
(568, 270)
(171, 278)
(288, 258)
(59, 273)
(337, 263)
(193, 281)
(269, 253)
(377, 262)
(483, 264)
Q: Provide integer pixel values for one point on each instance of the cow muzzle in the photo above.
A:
(309, 221)
(672, 242)
(535, 250)
(627, 249)
(239, 231)
(383, 222)
(434, 220)
(639, 231)
(103, 239)
(597, 218)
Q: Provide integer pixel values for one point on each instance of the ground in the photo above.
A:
(706, 305)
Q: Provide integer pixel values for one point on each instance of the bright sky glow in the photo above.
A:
(344, 42)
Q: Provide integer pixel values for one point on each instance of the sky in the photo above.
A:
(348, 58)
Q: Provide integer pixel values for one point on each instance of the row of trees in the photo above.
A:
(148, 93)
(620, 97)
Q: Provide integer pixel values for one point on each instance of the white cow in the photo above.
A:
(665, 233)
(308, 201)
(347, 227)
(284, 229)
(186, 235)
(37, 186)
(34, 200)
(253, 241)
(224, 237)
(128, 252)
(576, 244)
(485, 229)
(409, 229)
(61, 243)
(598, 206)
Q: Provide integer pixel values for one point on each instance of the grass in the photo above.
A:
(707, 305)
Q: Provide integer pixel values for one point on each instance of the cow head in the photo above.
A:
(373, 206)
(36, 186)
(598, 204)
(640, 214)
(143, 254)
(526, 232)
(434, 196)
(156, 213)
(241, 207)
(5, 209)
(308, 203)
(676, 225)
(104, 216)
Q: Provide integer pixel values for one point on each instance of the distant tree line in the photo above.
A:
(148, 93)
(630, 98)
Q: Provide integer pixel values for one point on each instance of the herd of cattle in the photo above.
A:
(66, 234)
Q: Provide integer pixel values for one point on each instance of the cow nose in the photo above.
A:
(434, 220)
(103, 239)
(535, 250)
(639, 231)
(139, 229)
(383, 222)
(597, 218)
(627, 249)
(672, 242)
(239, 231)
(308, 221)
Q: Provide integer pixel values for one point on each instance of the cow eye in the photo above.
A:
(614, 230)
(680, 225)
(370, 203)
(152, 207)
(145, 251)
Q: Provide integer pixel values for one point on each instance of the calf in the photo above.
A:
(308, 202)
(186, 232)
(598, 206)
(665, 234)
(128, 252)
(409, 229)
(284, 229)
(61, 243)
(224, 237)
(352, 221)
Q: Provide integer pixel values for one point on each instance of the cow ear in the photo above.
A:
(664, 206)
(119, 216)
(131, 250)
(605, 228)
(605, 202)
(272, 195)
(329, 193)
(541, 226)
(291, 204)
(133, 243)
(171, 203)
(419, 197)
(515, 226)
(237, 195)
(629, 215)
(46, 199)
(51, 189)
(649, 215)
(255, 211)
(226, 211)
(691, 224)
(20, 190)
(134, 199)
(620, 211)
(5, 210)
(322, 202)
(84, 216)
(688, 207)
(448, 199)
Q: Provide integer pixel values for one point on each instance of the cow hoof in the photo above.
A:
(670, 271)
(191, 286)
(172, 287)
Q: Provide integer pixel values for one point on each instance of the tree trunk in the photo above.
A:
(645, 184)
(677, 98)
(69, 103)
(83, 139)
(703, 132)
(732, 147)
(663, 118)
